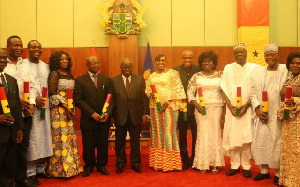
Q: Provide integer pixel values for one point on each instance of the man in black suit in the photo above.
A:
(10, 134)
(130, 111)
(90, 93)
(186, 70)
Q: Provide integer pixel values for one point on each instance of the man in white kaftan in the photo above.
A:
(266, 143)
(237, 135)
(40, 141)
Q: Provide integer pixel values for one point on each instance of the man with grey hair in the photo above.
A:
(130, 111)
(266, 84)
(90, 92)
(235, 87)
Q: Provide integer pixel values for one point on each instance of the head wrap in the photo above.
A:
(240, 44)
(271, 47)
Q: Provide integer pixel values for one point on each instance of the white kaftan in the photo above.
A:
(237, 130)
(266, 142)
(40, 141)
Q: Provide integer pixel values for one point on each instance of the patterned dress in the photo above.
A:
(290, 143)
(66, 160)
(208, 149)
(164, 153)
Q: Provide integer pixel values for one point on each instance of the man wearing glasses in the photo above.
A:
(186, 70)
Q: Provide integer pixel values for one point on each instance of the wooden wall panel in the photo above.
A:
(173, 55)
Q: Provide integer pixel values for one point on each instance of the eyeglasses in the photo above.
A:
(271, 55)
(187, 58)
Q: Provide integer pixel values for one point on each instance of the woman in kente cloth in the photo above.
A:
(164, 153)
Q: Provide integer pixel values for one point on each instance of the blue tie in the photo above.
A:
(4, 83)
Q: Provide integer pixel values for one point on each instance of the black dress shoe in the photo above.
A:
(247, 173)
(276, 181)
(185, 166)
(35, 180)
(103, 171)
(44, 175)
(119, 170)
(261, 176)
(86, 173)
(25, 182)
(232, 172)
(137, 169)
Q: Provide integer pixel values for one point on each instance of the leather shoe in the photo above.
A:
(261, 176)
(25, 182)
(232, 172)
(44, 175)
(185, 166)
(137, 169)
(247, 173)
(276, 181)
(119, 170)
(86, 172)
(103, 171)
(35, 180)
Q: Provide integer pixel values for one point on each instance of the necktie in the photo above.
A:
(95, 79)
(4, 83)
(127, 85)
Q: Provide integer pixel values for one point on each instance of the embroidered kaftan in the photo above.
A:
(237, 130)
(266, 143)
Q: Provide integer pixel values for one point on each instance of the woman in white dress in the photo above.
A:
(208, 149)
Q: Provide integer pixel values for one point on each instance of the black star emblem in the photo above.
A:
(238, 101)
(7, 106)
(255, 53)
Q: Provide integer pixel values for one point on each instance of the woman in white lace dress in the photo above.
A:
(208, 149)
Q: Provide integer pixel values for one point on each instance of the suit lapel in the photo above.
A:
(90, 81)
(132, 81)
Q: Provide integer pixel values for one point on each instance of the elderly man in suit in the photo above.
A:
(90, 93)
(10, 126)
(130, 111)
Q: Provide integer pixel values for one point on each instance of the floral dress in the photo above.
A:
(290, 140)
(65, 161)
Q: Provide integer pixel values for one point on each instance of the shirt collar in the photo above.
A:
(124, 77)
(91, 74)
(20, 60)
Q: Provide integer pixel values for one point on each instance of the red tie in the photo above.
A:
(127, 85)
(95, 79)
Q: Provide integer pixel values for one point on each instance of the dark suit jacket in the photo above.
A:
(14, 103)
(135, 102)
(90, 99)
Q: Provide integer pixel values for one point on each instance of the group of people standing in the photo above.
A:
(189, 94)
(235, 98)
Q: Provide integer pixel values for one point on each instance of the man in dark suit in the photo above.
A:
(186, 70)
(11, 127)
(90, 93)
(130, 111)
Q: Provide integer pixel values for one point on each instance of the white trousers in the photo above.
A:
(264, 168)
(240, 156)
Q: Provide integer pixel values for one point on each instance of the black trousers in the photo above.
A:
(91, 140)
(22, 149)
(134, 133)
(7, 163)
(183, 126)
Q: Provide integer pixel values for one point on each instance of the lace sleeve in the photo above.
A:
(177, 87)
(53, 79)
(191, 89)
